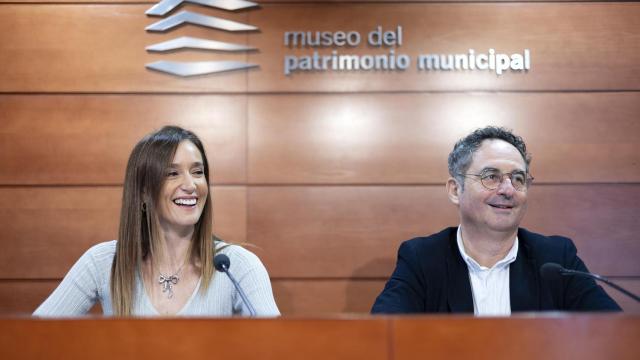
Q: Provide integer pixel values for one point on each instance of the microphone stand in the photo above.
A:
(567, 272)
(245, 300)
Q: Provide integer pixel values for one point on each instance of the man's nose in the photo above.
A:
(506, 186)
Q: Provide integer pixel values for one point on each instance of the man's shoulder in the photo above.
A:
(432, 244)
(544, 245)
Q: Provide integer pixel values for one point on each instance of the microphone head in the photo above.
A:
(221, 262)
(551, 271)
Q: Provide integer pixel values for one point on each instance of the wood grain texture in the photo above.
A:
(194, 338)
(312, 297)
(628, 305)
(309, 297)
(315, 231)
(230, 213)
(51, 227)
(602, 220)
(303, 297)
(65, 139)
(575, 337)
(22, 297)
(406, 138)
(385, 1)
(355, 231)
(151, 2)
(49, 139)
(343, 338)
(580, 46)
(101, 48)
(341, 231)
(329, 247)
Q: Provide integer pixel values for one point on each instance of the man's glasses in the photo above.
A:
(491, 179)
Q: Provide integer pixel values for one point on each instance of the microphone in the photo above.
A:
(553, 272)
(222, 264)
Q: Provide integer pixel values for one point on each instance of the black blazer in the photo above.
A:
(431, 276)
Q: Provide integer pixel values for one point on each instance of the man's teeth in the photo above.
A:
(189, 202)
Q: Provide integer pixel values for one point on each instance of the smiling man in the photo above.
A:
(488, 265)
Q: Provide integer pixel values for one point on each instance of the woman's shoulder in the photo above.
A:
(236, 253)
(103, 248)
(101, 253)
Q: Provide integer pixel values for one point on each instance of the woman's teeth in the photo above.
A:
(185, 202)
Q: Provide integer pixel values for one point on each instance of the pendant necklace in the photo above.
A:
(168, 281)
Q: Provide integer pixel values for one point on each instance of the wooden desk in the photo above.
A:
(563, 337)
(433, 337)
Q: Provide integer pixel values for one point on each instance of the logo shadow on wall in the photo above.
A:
(193, 68)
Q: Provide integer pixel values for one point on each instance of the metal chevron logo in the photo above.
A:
(189, 17)
(165, 6)
(194, 68)
(187, 42)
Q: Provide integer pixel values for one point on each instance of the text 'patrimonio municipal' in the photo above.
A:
(328, 58)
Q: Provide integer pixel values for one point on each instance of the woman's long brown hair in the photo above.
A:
(137, 235)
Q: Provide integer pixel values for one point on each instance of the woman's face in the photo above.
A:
(184, 191)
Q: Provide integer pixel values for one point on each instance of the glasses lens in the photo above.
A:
(491, 179)
(519, 180)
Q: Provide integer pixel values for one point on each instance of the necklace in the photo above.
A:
(167, 281)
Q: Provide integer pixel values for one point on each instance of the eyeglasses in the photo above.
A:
(492, 179)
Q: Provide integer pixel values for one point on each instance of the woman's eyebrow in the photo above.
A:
(197, 163)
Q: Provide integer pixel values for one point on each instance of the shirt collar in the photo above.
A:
(473, 265)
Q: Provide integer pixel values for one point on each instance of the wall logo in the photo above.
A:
(178, 68)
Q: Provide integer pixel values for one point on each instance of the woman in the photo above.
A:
(162, 263)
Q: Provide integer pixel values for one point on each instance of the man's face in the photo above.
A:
(499, 210)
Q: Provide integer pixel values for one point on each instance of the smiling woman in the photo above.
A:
(185, 189)
(162, 263)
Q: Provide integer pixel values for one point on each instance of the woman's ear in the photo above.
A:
(453, 190)
(145, 200)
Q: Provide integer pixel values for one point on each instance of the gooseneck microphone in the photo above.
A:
(553, 271)
(222, 264)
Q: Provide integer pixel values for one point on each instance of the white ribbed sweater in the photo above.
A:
(88, 282)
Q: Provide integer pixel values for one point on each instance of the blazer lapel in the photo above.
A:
(459, 293)
(524, 279)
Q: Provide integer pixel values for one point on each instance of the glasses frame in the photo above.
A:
(528, 181)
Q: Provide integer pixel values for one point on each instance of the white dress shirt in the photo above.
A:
(489, 286)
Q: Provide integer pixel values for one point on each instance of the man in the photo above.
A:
(488, 265)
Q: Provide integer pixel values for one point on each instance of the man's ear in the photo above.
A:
(453, 190)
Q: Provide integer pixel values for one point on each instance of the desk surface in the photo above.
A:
(552, 336)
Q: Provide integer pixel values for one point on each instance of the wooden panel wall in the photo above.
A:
(326, 173)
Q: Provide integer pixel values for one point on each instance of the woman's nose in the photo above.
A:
(188, 183)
